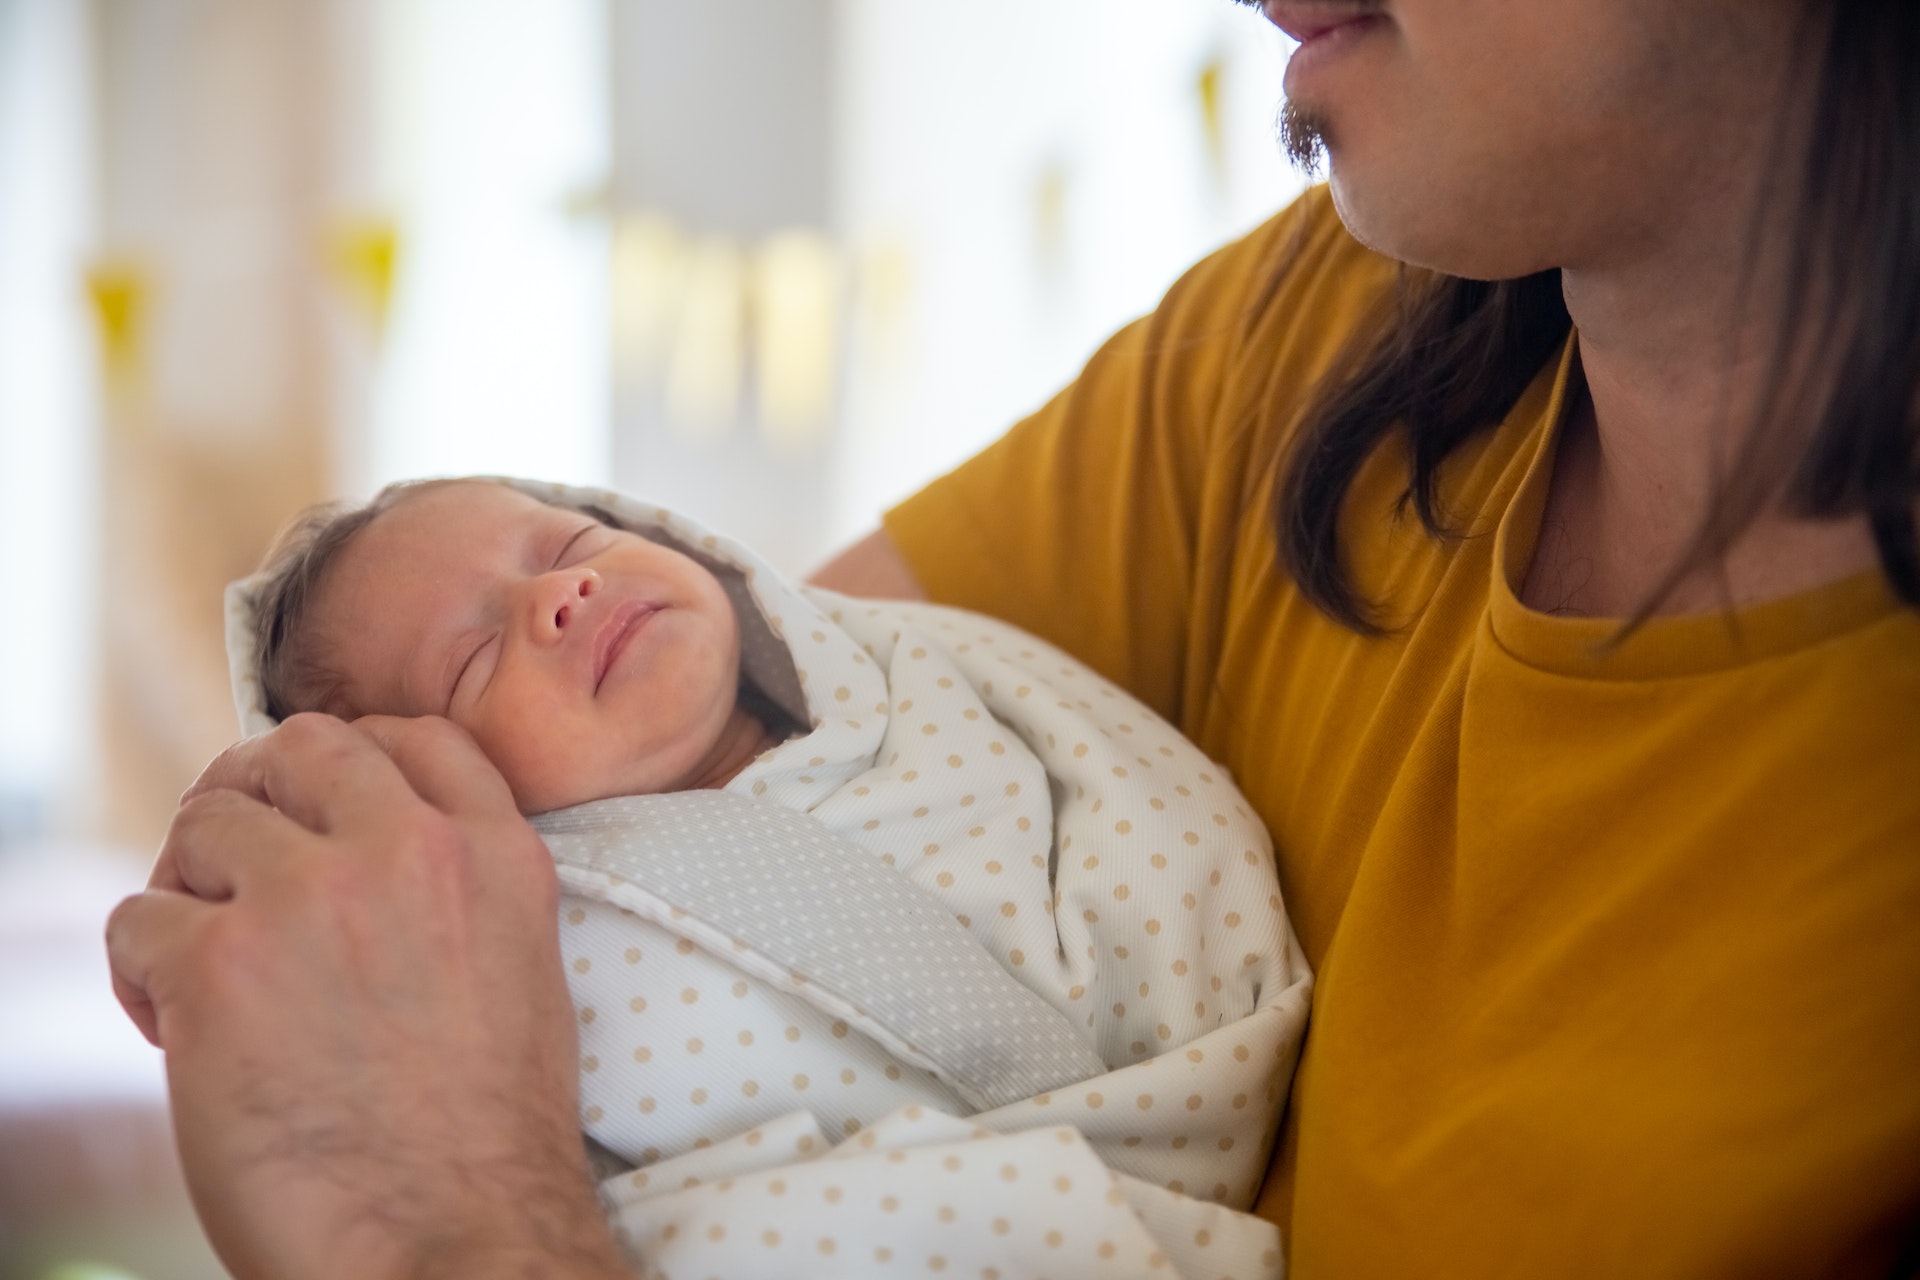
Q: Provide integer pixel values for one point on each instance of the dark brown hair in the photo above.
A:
(1458, 353)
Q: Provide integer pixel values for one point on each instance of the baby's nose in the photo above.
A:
(565, 590)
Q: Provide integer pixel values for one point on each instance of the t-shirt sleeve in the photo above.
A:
(1085, 523)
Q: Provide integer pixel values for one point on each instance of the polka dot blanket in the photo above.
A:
(985, 969)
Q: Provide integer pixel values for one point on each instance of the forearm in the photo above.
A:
(872, 568)
(557, 1232)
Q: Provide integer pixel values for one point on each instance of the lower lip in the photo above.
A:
(1314, 56)
(624, 641)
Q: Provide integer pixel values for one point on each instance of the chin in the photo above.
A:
(1449, 227)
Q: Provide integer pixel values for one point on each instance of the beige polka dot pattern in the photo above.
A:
(1075, 891)
(757, 925)
(747, 1045)
(923, 1194)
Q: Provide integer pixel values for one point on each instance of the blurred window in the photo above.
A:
(490, 135)
(47, 564)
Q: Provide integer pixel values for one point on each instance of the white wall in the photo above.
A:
(489, 131)
(1006, 183)
(46, 407)
(724, 138)
(955, 120)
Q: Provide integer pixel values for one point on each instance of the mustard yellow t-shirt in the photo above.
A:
(1618, 951)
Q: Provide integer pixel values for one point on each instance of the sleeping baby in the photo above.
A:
(820, 856)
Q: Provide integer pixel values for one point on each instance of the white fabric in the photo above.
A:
(921, 1193)
(1015, 889)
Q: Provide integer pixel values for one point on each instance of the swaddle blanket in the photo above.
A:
(987, 968)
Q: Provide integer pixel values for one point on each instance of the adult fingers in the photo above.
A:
(219, 839)
(238, 768)
(315, 769)
(442, 764)
(214, 841)
(184, 865)
(212, 835)
(144, 934)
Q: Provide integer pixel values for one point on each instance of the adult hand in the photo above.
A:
(349, 952)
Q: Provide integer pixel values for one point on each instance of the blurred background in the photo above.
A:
(773, 262)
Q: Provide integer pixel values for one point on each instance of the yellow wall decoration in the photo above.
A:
(362, 255)
(1050, 215)
(693, 312)
(1207, 89)
(649, 280)
(707, 362)
(796, 338)
(883, 311)
(120, 290)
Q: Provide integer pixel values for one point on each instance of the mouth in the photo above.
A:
(1308, 20)
(616, 633)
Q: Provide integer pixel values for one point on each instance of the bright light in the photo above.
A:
(496, 357)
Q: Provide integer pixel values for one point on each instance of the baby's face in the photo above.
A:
(586, 661)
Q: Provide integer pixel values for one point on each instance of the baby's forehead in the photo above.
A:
(457, 518)
(425, 534)
(490, 496)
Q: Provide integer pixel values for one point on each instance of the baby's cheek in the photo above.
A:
(541, 793)
(522, 759)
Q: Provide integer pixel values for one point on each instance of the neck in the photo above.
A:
(1678, 337)
(1669, 398)
(740, 742)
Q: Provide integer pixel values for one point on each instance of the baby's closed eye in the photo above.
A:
(474, 663)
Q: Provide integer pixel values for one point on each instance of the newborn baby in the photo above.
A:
(951, 867)
(586, 661)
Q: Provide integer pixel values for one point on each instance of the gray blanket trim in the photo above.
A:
(776, 893)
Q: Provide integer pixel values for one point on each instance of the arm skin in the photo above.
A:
(872, 567)
(349, 951)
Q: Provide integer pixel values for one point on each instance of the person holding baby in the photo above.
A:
(1588, 764)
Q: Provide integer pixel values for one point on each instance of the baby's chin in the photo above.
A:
(532, 806)
(555, 778)
(543, 781)
(537, 796)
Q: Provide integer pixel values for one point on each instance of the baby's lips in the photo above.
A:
(615, 634)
